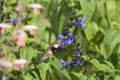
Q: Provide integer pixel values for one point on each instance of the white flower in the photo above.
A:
(3, 25)
(20, 61)
(5, 64)
(35, 6)
(30, 27)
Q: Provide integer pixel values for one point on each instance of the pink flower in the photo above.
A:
(31, 28)
(19, 7)
(20, 35)
(1, 53)
(36, 8)
(19, 64)
(5, 65)
(3, 27)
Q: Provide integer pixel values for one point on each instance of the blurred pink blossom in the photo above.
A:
(19, 64)
(36, 8)
(31, 29)
(5, 64)
(20, 35)
(19, 7)
(3, 27)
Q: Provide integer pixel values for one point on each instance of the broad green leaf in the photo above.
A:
(77, 74)
(49, 36)
(100, 66)
(110, 41)
(107, 77)
(28, 77)
(117, 77)
(109, 64)
(91, 78)
(91, 30)
(115, 57)
(113, 10)
(95, 62)
(52, 73)
(56, 63)
(43, 68)
(101, 7)
(88, 8)
(28, 53)
(13, 1)
(83, 77)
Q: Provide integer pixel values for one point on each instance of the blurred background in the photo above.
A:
(28, 27)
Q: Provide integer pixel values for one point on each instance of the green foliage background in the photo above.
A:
(100, 40)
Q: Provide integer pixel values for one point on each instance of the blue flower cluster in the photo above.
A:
(76, 59)
(66, 41)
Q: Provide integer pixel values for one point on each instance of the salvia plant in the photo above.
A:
(59, 40)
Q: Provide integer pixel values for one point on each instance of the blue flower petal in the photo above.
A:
(80, 22)
(65, 64)
(7, 78)
(14, 20)
(60, 36)
(83, 18)
(71, 39)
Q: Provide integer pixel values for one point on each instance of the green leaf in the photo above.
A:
(43, 68)
(56, 63)
(91, 78)
(13, 1)
(101, 67)
(83, 77)
(107, 77)
(52, 73)
(110, 41)
(76, 74)
(49, 36)
(91, 30)
(95, 62)
(117, 77)
(115, 57)
(28, 53)
(27, 1)
(6, 49)
(88, 8)
(29, 77)
(109, 64)
(113, 10)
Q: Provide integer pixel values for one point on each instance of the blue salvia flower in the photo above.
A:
(80, 22)
(7, 78)
(71, 39)
(65, 64)
(66, 41)
(14, 20)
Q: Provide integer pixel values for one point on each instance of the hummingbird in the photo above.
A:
(50, 50)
